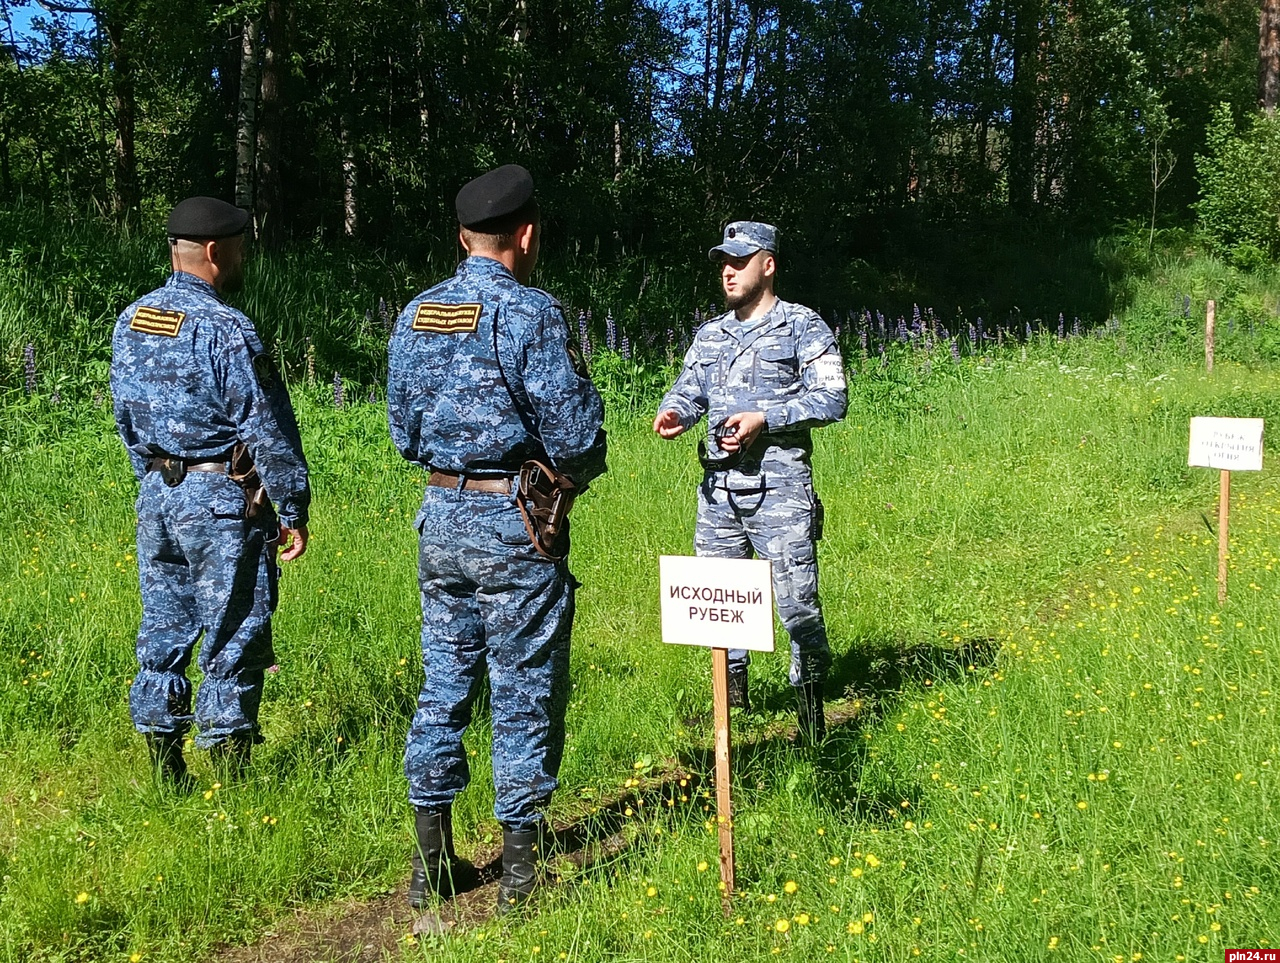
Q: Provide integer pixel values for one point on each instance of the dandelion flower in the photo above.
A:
(782, 925)
(790, 887)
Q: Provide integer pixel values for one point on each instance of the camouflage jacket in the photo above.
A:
(785, 366)
(190, 378)
(482, 376)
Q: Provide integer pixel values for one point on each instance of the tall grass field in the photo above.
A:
(1053, 743)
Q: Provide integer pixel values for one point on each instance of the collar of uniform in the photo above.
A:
(181, 279)
(477, 265)
(748, 330)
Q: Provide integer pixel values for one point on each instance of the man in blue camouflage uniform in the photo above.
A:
(191, 385)
(482, 377)
(764, 373)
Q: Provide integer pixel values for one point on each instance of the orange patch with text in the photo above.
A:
(154, 321)
(446, 318)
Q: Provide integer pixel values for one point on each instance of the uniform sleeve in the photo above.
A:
(688, 396)
(258, 403)
(399, 411)
(569, 410)
(823, 396)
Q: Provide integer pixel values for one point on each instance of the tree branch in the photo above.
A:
(53, 7)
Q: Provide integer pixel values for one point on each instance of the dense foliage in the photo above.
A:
(909, 147)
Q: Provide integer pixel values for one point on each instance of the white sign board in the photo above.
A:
(722, 603)
(1233, 444)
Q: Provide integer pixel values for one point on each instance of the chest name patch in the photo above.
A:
(446, 318)
(155, 321)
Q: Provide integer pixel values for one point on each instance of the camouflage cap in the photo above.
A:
(743, 238)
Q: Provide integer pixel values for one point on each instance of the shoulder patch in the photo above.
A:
(264, 369)
(446, 318)
(150, 320)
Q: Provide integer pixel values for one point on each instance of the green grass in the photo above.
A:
(1065, 750)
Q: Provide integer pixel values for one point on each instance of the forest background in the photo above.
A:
(1006, 160)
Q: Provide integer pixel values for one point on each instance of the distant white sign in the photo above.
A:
(723, 603)
(1234, 444)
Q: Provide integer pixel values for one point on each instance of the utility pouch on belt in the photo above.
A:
(244, 473)
(172, 470)
(545, 497)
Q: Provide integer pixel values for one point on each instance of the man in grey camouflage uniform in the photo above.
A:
(764, 373)
(190, 381)
(482, 377)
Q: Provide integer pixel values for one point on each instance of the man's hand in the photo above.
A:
(293, 542)
(741, 430)
(667, 425)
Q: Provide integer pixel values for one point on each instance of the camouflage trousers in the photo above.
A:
(489, 601)
(203, 570)
(782, 524)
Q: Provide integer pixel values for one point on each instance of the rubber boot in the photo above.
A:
(520, 854)
(433, 859)
(811, 726)
(231, 757)
(168, 762)
(738, 692)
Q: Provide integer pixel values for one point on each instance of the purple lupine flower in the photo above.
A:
(1062, 326)
(1231, 325)
(697, 317)
(311, 360)
(1186, 305)
(29, 366)
(610, 332)
(624, 346)
(582, 327)
(671, 346)
(862, 341)
(900, 331)
(384, 315)
(955, 350)
(982, 335)
(337, 390)
(884, 330)
(1075, 327)
(1028, 330)
(973, 334)
(1000, 336)
(372, 396)
(884, 359)
(586, 346)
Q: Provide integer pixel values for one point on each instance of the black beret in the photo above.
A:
(503, 192)
(206, 219)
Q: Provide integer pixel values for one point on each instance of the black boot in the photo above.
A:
(812, 723)
(434, 860)
(231, 757)
(168, 762)
(738, 693)
(520, 855)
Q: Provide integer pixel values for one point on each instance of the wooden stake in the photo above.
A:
(1210, 321)
(1224, 511)
(724, 802)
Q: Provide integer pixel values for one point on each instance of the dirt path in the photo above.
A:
(357, 931)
